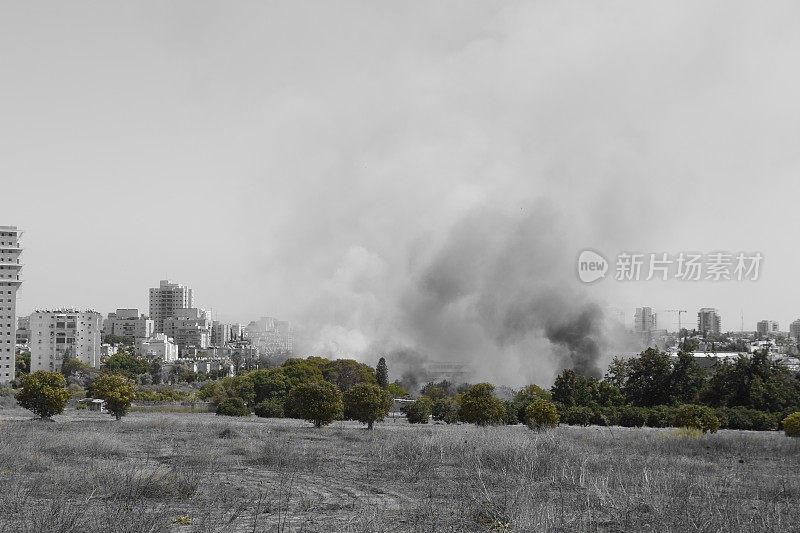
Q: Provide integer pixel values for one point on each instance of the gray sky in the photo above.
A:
(300, 159)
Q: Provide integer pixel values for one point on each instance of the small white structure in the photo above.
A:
(94, 404)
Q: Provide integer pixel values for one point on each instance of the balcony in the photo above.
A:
(17, 247)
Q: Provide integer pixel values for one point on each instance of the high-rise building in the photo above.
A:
(764, 327)
(190, 328)
(63, 334)
(794, 329)
(127, 323)
(166, 299)
(271, 336)
(220, 334)
(644, 320)
(708, 322)
(9, 285)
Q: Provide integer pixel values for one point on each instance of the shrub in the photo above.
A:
(44, 393)
(631, 416)
(697, 417)
(445, 410)
(791, 425)
(576, 416)
(739, 418)
(600, 418)
(480, 406)
(366, 403)
(233, 407)
(661, 416)
(541, 414)
(117, 390)
(763, 421)
(269, 409)
(511, 413)
(319, 402)
(419, 411)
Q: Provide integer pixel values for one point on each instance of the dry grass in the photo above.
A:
(201, 473)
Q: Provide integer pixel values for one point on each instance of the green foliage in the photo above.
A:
(687, 379)
(699, 417)
(631, 416)
(571, 389)
(72, 365)
(445, 410)
(791, 425)
(344, 373)
(163, 394)
(661, 416)
(526, 396)
(233, 407)
(382, 373)
(299, 371)
(396, 390)
(319, 402)
(241, 386)
(271, 408)
(436, 390)
(541, 414)
(44, 393)
(22, 364)
(212, 391)
(480, 406)
(117, 390)
(366, 402)
(272, 384)
(511, 413)
(649, 379)
(576, 415)
(126, 364)
(419, 412)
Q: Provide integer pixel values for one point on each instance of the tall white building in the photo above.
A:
(128, 323)
(220, 334)
(708, 322)
(9, 285)
(644, 324)
(166, 299)
(190, 328)
(794, 329)
(765, 327)
(64, 333)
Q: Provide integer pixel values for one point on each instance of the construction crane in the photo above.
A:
(680, 312)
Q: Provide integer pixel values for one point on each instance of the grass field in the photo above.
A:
(201, 473)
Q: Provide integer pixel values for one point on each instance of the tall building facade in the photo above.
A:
(764, 327)
(10, 281)
(220, 334)
(127, 323)
(166, 299)
(271, 336)
(794, 329)
(644, 324)
(62, 334)
(708, 322)
(159, 347)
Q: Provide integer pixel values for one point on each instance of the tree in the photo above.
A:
(318, 402)
(649, 379)
(791, 425)
(72, 365)
(697, 417)
(299, 371)
(270, 384)
(687, 379)
(124, 363)
(396, 390)
(382, 373)
(44, 393)
(344, 373)
(571, 389)
(541, 414)
(117, 390)
(480, 406)
(366, 403)
(445, 410)
(271, 408)
(419, 412)
(22, 363)
(155, 371)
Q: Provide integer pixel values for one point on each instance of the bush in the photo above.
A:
(511, 413)
(697, 417)
(791, 425)
(480, 406)
(600, 418)
(631, 416)
(576, 416)
(44, 393)
(419, 411)
(233, 407)
(661, 416)
(445, 410)
(541, 414)
(763, 421)
(269, 409)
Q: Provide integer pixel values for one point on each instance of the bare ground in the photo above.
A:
(151, 472)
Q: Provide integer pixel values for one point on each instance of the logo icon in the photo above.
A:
(591, 266)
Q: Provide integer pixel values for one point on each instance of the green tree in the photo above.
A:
(124, 363)
(344, 373)
(791, 425)
(117, 390)
(687, 379)
(22, 363)
(382, 373)
(366, 403)
(72, 365)
(155, 371)
(445, 410)
(649, 379)
(571, 389)
(697, 417)
(541, 414)
(270, 384)
(299, 371)
(419, 411)
(271, 408)
(319, 402)
(480, 406)
(44, 393)
(233, 407)
(396, 390)
(240, 386)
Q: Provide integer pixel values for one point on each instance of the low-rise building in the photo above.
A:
(158, 347)
(64, 333)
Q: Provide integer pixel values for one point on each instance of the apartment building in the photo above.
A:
(129, 324)
(220, 334)
(10, 282)
(166, 299)
(158, 347)
(64, 333)
(190, 328)
(708, 322)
